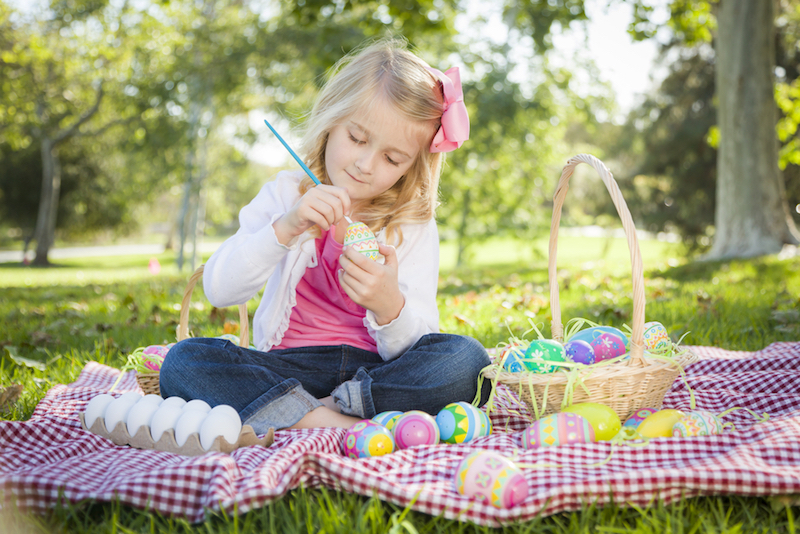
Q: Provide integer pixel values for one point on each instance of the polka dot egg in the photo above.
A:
(387, 419)
(697, 423)
(656, 337)
(558, 429)
(415, 428)
(491, 478)
(367, 438)
(361, 238)
(461, 422)
(639, 416)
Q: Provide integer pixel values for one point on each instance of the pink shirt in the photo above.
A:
(324, 314)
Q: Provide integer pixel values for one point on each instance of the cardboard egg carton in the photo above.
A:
(143, 440)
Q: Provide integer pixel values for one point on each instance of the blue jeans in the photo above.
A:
(277, 388)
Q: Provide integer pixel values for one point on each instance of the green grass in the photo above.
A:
(53, 321)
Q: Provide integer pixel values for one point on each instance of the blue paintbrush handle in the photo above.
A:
(295, 156)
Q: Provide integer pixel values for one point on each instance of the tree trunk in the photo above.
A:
(48, 202)
(752, 215)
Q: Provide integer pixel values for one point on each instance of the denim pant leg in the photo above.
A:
(435, 371)
(220, 372)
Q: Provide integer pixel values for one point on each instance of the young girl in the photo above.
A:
(341, 337)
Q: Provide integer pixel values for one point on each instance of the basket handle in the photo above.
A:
(557, 329)
(183, 326)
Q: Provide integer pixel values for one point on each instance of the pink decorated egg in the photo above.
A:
(361, 238)
(607, 345)
(415, 428)
(697, 423)
(558, 429)
(639, 416)
(367, 438)
(387, 419)
(656, 338)
(579, 351)
(492, 479)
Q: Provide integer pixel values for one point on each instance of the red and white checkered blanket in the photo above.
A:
(50, 453)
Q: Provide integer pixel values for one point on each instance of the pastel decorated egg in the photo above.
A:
(360, 237)
(697, 423)
(659, 424)
(513, 358)
(558, 429)
(486, 424)
(415, 428)
(656, 337)
(460, 422)
(548, 350)
(603, 419)
(387, 419)
(579, 351)
(607, 345)
(491, 478)
(589, 334)
(367, 438)
(638, 416)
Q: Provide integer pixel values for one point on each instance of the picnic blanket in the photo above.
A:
(50, 455)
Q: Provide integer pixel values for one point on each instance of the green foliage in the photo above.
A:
(538, 18)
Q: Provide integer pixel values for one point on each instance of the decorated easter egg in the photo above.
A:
(156, 350)
(544, 349)
(656, 337)
(387, 419)
(367, 438)
(638, 416)
(590, 334)
(607, 345)
(459, 422)
(603, 419)
(415, 428)
(491, 478)
(513, 358)
(558, 429)
(659, 424)
(579, 351)
(697, 423)
(486, 424)
(360, 237)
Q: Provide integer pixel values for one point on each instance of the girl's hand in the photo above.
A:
(372, 285)
(322, 205)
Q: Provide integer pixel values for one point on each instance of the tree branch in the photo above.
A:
(63, 134)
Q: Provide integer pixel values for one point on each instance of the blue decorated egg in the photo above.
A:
(387, 419)
(459, 422)
(367, 438)
(513, 358)
(558, 429)
(589, 334)
(638, 416)
(491, 478)
(579, 351)
(548, 350)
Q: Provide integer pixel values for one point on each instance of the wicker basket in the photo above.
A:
(625, 386)
(149, 381)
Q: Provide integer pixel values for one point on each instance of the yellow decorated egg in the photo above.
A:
(361, 238)
(659, 424)
(656, 338)
(697, 423)
(603, 419)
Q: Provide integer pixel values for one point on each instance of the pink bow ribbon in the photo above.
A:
(455, 120)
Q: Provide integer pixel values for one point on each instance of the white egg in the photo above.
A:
(197, 405)
(226, 409)
(141, 414)
(164, 419)
(220, 424)
(173, 401)
(151, 398)
(188, 423)
(131, 396)
(96, 407)
(117, 411)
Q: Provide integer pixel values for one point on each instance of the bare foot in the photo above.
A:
(323, 417)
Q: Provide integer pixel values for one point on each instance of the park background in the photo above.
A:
(139, 123)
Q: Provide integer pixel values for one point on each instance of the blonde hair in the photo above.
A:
(382, 71)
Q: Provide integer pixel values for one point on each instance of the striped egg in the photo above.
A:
(460, 422)
(558, 429)
(415, 428)
(387, 419)
(361, 238)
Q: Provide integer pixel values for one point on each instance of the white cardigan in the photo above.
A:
(253, 256)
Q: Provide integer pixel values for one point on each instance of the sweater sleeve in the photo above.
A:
(418, 276)
(240, 267)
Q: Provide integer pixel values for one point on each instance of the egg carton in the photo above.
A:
(143, 440)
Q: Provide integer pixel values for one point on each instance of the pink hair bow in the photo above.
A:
(455, 120)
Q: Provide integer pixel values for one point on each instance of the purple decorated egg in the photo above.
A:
(415, 428)
(367, 438)
(558, 429)
(491, 478)
(607, 345)
(579, 352)
(638, 416)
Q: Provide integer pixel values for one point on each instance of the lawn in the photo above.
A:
(53, 321)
